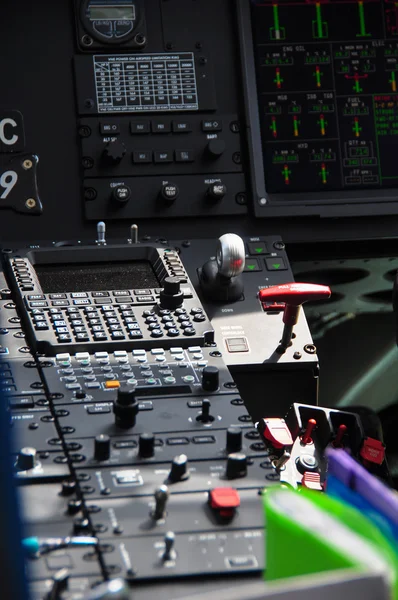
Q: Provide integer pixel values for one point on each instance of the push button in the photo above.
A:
(275, 264)
(181, 127)
(184, 156)
(109, 128)
(257, 248)
(224, 502)
(139, 127)
(212, 125)
(163, 157)
(142, 157)
(160, 127)
(252, 264)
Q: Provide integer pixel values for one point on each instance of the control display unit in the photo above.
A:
(327, 93)
(108, 297)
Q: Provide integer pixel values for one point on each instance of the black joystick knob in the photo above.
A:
(161, 496)
(169, 192)
(210, 379)
(121, 194)
(236, 466)
(215, 148)
(68, 487)
(146, 445)
(26, 459)
(102, 447)
(204, 416)
(216, 191)
(171, 296)
(234, 439)
(125, 407)
(179, 468)
(113, 153)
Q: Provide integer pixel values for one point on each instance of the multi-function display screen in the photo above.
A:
(327, 76)
(96, 277)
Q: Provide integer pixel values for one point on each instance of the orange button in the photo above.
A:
(111, 385)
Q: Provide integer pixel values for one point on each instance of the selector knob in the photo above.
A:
(102, 447)
(215, 148)
(234, 439)
(210, 379)
(161, 496)
(125, 407)
(146, 445)
(74, 506)
(68, 487)
(26, 459)
(236, 465)
(179, 468)
(169, 193)
(121, 194)
(113, 153)
(80, 525)
(171, 296)
(216, 191)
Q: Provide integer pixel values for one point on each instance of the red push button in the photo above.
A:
(275, 431)
(224, 501)
(373, 451)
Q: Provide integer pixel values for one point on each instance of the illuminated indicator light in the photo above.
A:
(273, 127)
(276, 22)
(251, 267)
(295, 127)
(322, 124)
(393, 82)
(286, 174)
(111, 385)
(324, 173)
(357, 88)
(356, 128)
(362, 27)
(318, 76)
(319, 27)
(278, 79)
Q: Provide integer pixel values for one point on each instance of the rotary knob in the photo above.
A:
(102, 447)
(179, 468)
(113, 153)
(26, 459)
(171, 296)
(125, 407)
(121, 194)
(68, 487)
(234, 440)
(169, 193)
(216, 191)
(146, 445)
(236, 465)
(210, 379)
(215, 148)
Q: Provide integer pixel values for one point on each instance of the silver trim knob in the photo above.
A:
(230, 255)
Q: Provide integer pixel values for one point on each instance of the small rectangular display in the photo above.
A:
(112, 12)
(96, 277)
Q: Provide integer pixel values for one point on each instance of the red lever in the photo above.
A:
(294, 295)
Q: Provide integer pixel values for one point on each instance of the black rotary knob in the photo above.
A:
(216, 191)
(215, 148)
(146, 445)
(102, 447)
(210, 379)
(234, 439)
(125, 407)
(121, 194)
(68, 487)
(171, 296)
(26, 459)
(236, 465)
(113, 153)
(74, 506)
(179, 468)
(80, 525)
(169, 192)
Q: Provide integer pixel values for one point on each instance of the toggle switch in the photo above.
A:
(161, 497)
(169, 552)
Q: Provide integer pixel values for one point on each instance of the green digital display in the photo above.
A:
(120, 13)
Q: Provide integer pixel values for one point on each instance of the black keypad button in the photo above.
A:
(212, 125)
(163, 157)
(157, 333)
(184, 156)
(136, 334)
(37, 297)
(161, 127)
(181, 127)
(82, 337)
(57, 296)
(170, 325)
(142, 157)
(153, 326)
(109, 128)
(125, 300)
(199, 318)
(117, 335)
(77, 322)
(99, 335)
(100, 294)
(102, 301)
(145, 299)
(41, 326)
(173, 332)
(189, 331)
(121, 293)
(185, 324)
(64, 337)
(60, 303)
(139, 127)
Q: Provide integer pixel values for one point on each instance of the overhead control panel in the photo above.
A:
(326, 76)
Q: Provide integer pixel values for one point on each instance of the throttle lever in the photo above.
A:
(293, 295)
